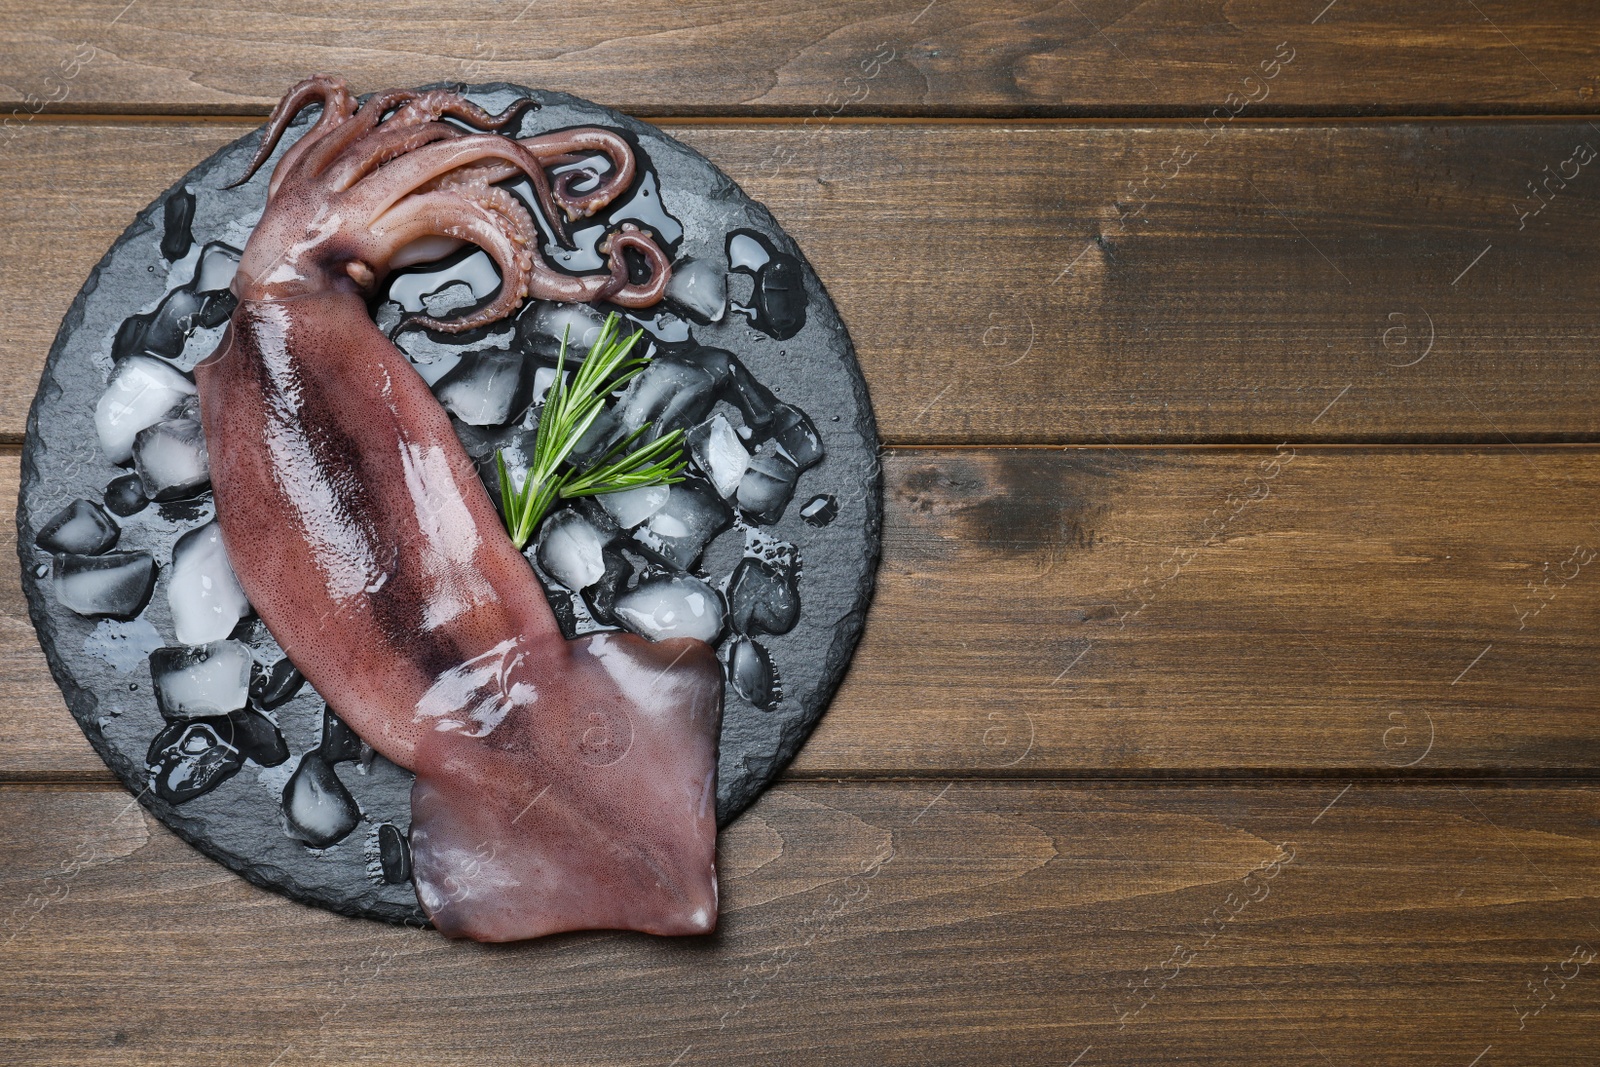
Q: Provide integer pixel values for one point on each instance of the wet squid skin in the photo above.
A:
(560, 784)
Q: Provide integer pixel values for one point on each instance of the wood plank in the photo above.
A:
(958, 57)
(1135, 612)
(1343, 282)
(995, 923)
(1198, 610)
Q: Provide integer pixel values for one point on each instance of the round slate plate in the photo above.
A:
(102, 664)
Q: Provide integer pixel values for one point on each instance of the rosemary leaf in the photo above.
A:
(658, 463)
(570, 409)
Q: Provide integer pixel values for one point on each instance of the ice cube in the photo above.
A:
(671, 394)
(645, 207)
(387, 318)
(177, 224)
(482, 442)
(171, 458)
(780, 297)
(700, 289)
(751, 671)
(115, 585)
(754, 400)
(601, 596)
(318, 809)
(275, 686)
(795, 434)
(517, 448)
(691, 517)
(717, 362)
(339, 744)
(129, 340)
(598, 517)
(188, 759)
(602, 433)
(767, 485)
(394, 854)
(721, 454)
(193, 683)
(257, 738)
(746, 252)
(570, 550)
(487, 388)
(632, 506)
(180, 313)
(82, 527)
(140, 393)
(543, 379)
(562, 606)
(820, 510)
(663, 607)
(545, 326)
(762, 598)
(205, 597)
(218, 264)
(433, 358)
(125, 495)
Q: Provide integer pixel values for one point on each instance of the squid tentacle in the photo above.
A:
(337, 106)
(439, 103)
(571, 146)
(411, 108)
(389, 142)
(510, 212)
(361, 124)
(467, 182)
(490, 171)
(545, 283)
(556, 149)
(383, 145)
(624, 293)
(378, 192)
(416, 185)
(479, 222)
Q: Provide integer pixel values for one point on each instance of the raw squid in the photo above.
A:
(560, 785)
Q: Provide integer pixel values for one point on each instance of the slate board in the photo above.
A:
(101, 665)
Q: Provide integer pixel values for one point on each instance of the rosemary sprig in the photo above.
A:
(658, 463)
(570, 409)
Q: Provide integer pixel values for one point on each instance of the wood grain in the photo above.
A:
(953, 57)
(889, 924)
(1339, 283)
(1174, 611)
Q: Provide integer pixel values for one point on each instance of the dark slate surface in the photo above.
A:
(101, 665)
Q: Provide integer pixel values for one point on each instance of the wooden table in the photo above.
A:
(1230, 692)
